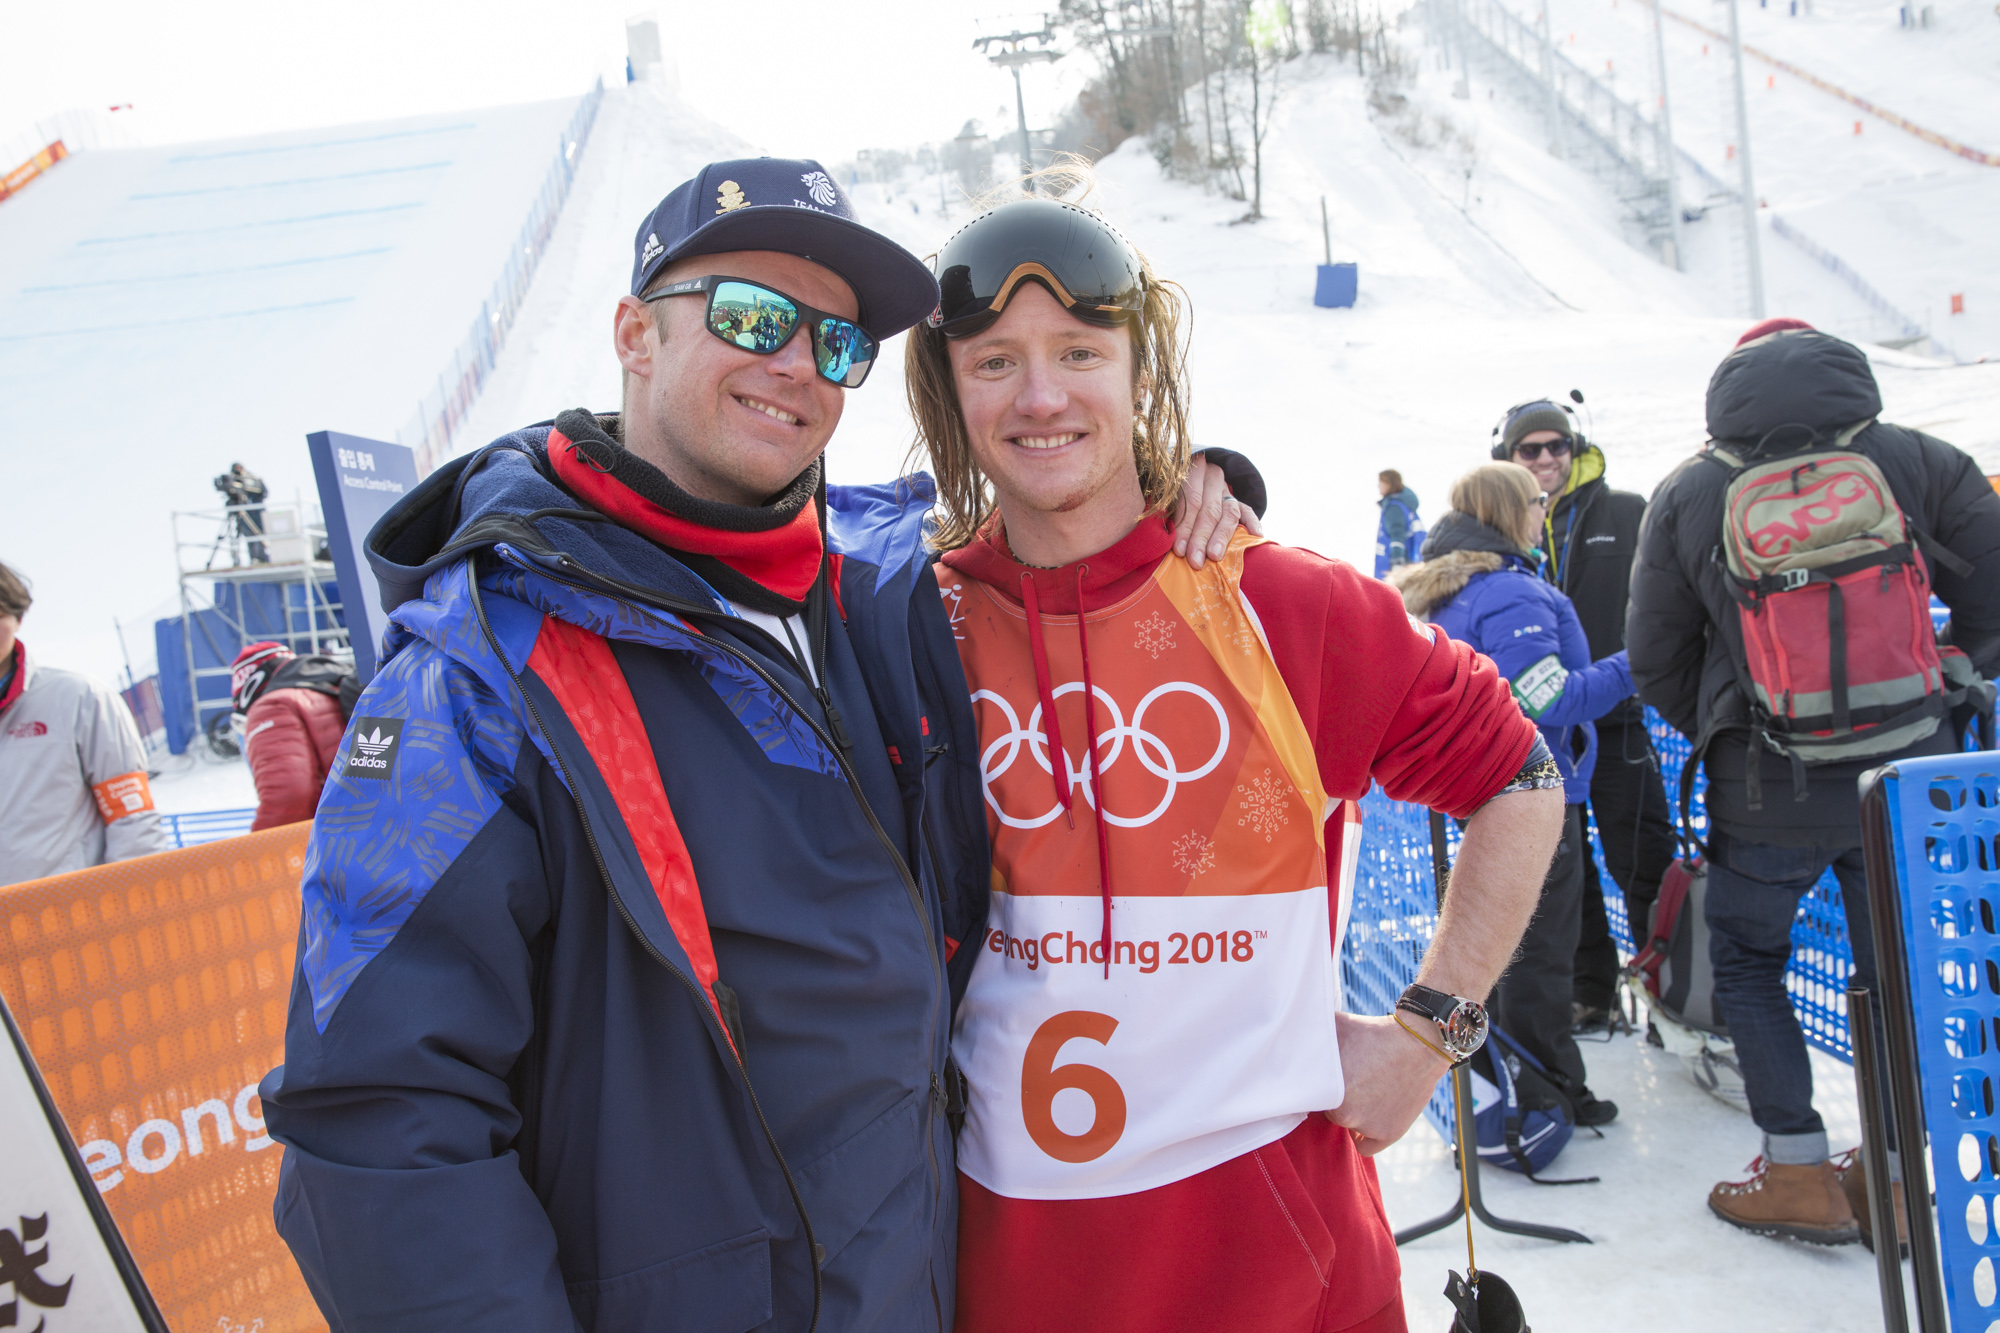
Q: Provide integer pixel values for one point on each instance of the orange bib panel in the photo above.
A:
(1214, 1033)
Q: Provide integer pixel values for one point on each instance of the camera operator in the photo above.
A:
(242, 487)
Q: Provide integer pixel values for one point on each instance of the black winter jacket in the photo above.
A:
(1777, 395)
(1590, 536)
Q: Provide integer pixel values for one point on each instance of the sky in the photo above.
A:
(798, 77)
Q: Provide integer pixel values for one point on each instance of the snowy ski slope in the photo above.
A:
(167, 311)
(1914, 219)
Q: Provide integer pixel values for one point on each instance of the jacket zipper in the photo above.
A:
(839, 751)
(631, 924)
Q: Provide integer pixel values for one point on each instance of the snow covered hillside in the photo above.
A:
(167, 311)
(1913, 218)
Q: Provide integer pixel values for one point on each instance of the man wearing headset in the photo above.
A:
(1589, 536)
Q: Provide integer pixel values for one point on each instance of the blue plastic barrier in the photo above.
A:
(1944, 826)
(199, 826)
(1393, 916)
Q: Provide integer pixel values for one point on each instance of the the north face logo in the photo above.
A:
(374, 751)
(29, 729)
(652, 250)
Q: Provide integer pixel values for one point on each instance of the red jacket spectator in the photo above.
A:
(292, 724)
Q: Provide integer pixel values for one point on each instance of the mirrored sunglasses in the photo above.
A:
(761, 319)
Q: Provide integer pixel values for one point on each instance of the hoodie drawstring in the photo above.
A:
(1059, 757)
(1090, 766)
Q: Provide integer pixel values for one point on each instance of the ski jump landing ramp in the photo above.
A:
(167, 311)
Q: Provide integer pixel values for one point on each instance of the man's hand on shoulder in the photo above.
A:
(1390, 1076)
(1208, 515)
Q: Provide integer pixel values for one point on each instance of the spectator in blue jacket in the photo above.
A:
(1399, 537)
(1479, 583)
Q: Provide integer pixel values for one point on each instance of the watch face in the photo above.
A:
(1465, 1030)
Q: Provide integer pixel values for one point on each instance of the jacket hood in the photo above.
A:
(1811, 382)
(1458, 531)
(1431, 584)
(1586, 467)
(1405, 496)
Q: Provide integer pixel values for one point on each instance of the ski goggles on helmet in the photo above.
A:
(762, 319)
(1076, 255)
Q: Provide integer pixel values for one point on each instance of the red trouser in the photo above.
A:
(1290, 1238)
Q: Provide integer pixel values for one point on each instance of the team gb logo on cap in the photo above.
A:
(820, 187)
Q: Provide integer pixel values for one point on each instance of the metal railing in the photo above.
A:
(199, 826)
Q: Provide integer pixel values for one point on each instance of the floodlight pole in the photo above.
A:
(1669, 160)
(1756, 260)
(1012, 59)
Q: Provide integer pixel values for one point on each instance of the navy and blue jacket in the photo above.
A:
(1399, 535)
(1480, 589)
(624, 987)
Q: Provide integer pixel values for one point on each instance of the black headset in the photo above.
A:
(1502, 453)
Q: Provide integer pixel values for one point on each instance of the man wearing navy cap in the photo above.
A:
(630, 914)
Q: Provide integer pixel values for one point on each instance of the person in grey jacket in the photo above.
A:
(73, 789)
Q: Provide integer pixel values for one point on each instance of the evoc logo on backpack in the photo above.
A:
(373, 753)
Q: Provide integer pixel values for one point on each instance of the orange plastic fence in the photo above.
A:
(12, 182)
(152, 993)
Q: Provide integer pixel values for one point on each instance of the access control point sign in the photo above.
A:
(358, 482)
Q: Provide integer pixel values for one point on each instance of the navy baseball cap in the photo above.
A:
(793, 206)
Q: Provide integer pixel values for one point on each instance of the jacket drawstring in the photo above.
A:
(1090, 767)
(1059, 757)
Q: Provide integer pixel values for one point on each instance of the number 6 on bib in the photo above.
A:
(1041, 1081)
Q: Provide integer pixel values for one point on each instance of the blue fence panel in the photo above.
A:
(1944, 818)
(199, 826)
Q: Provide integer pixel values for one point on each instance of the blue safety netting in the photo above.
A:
(1393, 914)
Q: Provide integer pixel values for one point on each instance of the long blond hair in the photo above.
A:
(1502, 496)
(1159, 344)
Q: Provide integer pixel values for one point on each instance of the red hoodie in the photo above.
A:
(1290, 1235)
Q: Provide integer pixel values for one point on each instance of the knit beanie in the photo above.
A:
(1530, 417)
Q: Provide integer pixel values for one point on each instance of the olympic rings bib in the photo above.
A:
(1214, 1033)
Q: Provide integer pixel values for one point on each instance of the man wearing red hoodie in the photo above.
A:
(1170, 1120)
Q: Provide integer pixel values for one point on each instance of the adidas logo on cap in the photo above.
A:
(373, 754)
(652, 250)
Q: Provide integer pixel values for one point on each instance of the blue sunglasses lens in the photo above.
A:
(842, 351)
(751, 317)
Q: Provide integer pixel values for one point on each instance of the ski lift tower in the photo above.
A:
(1013, 58)
(270, 577)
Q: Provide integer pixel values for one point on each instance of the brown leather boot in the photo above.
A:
(1853, 1175)
(1803, 1202)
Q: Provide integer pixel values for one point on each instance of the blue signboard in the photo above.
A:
(359, 480)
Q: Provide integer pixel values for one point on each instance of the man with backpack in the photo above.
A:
(1589, 535)
(1780, 620)
(294, 710)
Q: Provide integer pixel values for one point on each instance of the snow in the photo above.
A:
(1658, 1258)
(198, 781)
(167, 311)
(1914, 219)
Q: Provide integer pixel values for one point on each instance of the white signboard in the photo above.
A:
(63, 1266)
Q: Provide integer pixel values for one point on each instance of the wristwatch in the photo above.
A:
(1461, 1023)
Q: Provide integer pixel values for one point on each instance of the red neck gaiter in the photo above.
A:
(782, 561)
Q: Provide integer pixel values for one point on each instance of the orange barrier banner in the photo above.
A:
(12, 182)
(152, 994)
(1908, 126)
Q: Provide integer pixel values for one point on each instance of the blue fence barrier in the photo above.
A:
(1944, 825)
(1393, 914)
(201, 826)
